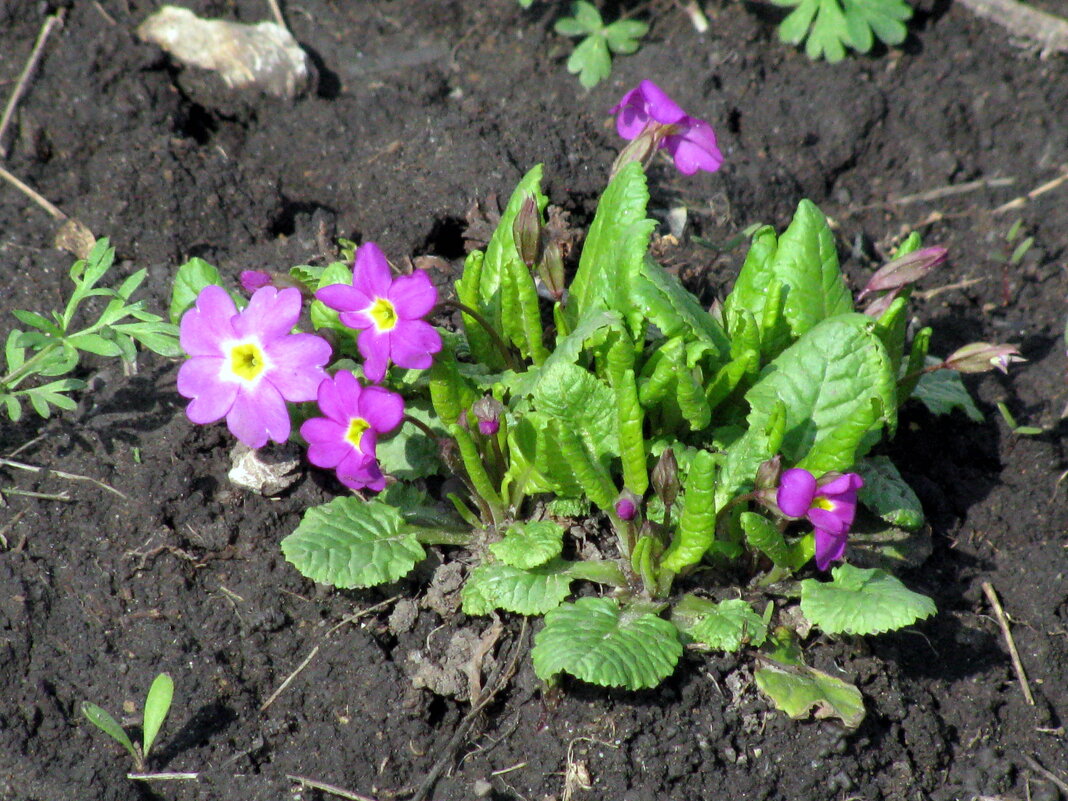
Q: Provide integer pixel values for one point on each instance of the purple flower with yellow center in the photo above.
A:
(387, 312)
(346, 437)
(245, 366)
(829, 504)
(648, 110)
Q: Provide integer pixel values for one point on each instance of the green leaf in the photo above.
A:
(798, 690)
(623, 35)
(584, 19)
(758, 444)
(321, 315)
(873, 543)
(697, 525)
(837, 384)
(723, 626)
(157, 704)
(12, 407)
(804, 259)
(614, 249)
(94, 343)
(161, 338)
(37, 321)
(862, 602)
(192, 277)
(591, 61)
(571, 455)
(14, 353)
(410, 453)
(942, 391)
(676, 312)
(762, 535)
(598, 642)
(583, 403)
(528, 545)
(631, 437)
(533, 591)
(107, 724)
(886, 493)
(353, 543)
(833, 25)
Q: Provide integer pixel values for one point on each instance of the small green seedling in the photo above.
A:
(1018, 430)
(592, 59)
(157, 704)
(830, 26)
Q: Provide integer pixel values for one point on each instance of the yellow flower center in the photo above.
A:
(357, 425)
(383, 314)
(247, 361)
(820, 502)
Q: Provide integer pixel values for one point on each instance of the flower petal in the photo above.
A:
(631, 116)
(829, 548)
(843, 484)
(343, 298)
(695, 149)
(383, 409)
(412, 344)
(329, 400)
(374, 347)
(797, 488)
(208, 323)
(371, 274)
(658, 105)
(326, 441)
(413, 296)
(297, 365)
(198, 379)
(258, 415)
(270, 314)
(834, 521)
(359, 471)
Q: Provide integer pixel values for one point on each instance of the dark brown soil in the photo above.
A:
(421, 108)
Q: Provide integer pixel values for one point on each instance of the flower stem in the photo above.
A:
(502, 346)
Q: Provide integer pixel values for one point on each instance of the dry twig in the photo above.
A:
(1016, 203)
(27, 73)
(1003, 621)
(60, 473)
(36, 197)
(1053, 777)
(328, 788)
(1047, 31)
(289, 678)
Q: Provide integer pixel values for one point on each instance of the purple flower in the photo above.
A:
(346, 438)
(627, 506)
(251, 280)
(829, 504)
(646, 109)
(245, 366)
(387, 312)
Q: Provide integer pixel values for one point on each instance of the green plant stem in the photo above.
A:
(422, 427)
(602, 572)
(441, 536)
(10, 381)
(502, 346)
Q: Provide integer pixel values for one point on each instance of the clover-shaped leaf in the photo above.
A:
(596, 640)
(862, 602)
(592, 59)
(833, 25)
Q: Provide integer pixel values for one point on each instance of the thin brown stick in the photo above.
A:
(37, 198)
(1047, 31)
(161, 777)
(1053, 777)
(70, 476)
(1020, 201)
(328, 788)
(948, 191)
(104, 14)
(27, 74)
(363, 613)
(1003, 621)
(276, 12)
(44, 496)
(289, 678)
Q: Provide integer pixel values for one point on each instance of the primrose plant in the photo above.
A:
(720, 450)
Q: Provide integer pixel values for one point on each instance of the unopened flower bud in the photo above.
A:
(904, 271)
(979, 357)
(551, 270)
(488, 411)
(251, 280)
(768, 473)
(665, 478)
(627, 506)
(717, 313)
(527, 230)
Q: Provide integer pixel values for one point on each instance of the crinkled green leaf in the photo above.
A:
(697, 524)
(527, 545)
(942, 391)
(590, 329)
(353, 543)
(191, 278)
(746, 453)
(873, 543)
(595, 640)
(676, 312)
(410, 453)
(609, 258)
(837, 384)
(765, 537)
(533, 591)
(799, 690)
(886, 493)
(860, 601)
(584, 403)
(724, 626)
(805, 261)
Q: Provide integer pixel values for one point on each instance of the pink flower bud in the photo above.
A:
(627, 506)
(251, 280)
(904, 271)
(979, 357)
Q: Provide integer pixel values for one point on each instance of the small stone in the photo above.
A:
(268, 471)
(482, 788)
